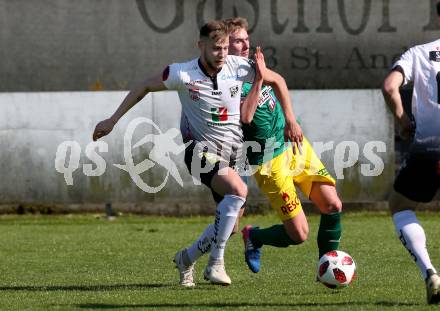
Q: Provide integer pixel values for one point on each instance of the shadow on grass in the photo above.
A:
(237, 305)
(86, 288)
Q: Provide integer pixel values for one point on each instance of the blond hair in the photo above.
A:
(236, 23)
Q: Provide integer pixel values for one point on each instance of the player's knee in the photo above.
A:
(333, 206)
(239, 189)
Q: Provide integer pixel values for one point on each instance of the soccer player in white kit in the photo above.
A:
(209, 89)
(419, 177)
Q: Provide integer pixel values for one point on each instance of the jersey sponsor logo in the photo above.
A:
(272, 102)
(323, 172)
(290, 205)
(285, 196)
(229, 77)
(434, 56)
(166, 73)
(219, 114)
(266, 97)
(194, 93)
(233, 90)
(217, 93)
(217, 124)
(194, 82)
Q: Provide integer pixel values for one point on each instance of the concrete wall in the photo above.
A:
(33, 126)
(63, 45)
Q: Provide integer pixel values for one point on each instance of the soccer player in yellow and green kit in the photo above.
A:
(281, 167)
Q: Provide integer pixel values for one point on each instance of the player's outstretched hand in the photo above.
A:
(103, 128)
(293, 133)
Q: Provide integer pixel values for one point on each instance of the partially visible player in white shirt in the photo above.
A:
(419, 177)
(209, 89)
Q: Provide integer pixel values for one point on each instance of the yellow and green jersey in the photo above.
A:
(266, 128)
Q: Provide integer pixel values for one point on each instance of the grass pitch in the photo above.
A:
(85, 263)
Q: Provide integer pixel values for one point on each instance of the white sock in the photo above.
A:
(412, 236)
(202, 245)
(225, 217)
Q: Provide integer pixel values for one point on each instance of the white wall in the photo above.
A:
(33, 125)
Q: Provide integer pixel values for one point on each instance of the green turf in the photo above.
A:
(85, 263)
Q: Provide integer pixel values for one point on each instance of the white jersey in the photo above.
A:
(211, 105)
(421, 65)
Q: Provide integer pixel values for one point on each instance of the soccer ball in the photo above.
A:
(336, 269)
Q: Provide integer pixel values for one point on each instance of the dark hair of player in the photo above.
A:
(215, 30)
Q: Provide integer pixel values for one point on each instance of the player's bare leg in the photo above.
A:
(297, 228)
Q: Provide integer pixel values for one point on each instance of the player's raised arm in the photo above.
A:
(292, 130)
(152, 84)
(250, 102)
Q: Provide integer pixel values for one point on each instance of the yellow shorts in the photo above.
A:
(277, 179)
